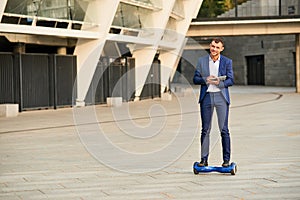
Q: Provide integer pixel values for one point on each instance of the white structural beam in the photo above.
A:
(144, 55)
(130, 39)
(37, 39)
(2, 7)
(47, 31)
(88, 51)
(170, 59)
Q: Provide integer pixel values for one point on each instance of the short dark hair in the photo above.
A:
(217, 40)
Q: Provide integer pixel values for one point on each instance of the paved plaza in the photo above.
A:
(146, 149)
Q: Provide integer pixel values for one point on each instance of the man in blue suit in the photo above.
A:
(214, 73)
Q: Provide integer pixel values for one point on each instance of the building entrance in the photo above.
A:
(255, 70)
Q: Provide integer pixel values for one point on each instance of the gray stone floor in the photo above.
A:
(152, 145)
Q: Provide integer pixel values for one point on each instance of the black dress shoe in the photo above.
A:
(225, 163)
(203, 163)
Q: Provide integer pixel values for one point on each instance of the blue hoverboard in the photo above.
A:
(232, 168)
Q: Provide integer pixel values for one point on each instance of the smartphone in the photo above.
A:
(222, 78)
(213, 79)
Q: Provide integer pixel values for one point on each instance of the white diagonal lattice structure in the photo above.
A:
(145, 26)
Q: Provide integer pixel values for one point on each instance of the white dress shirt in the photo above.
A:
(214, 70)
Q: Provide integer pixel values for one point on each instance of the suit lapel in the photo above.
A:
(221, 65)
(206, 67)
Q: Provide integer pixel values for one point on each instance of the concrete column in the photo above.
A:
(62, 50)
(101, 13)
(170, 59)
(144, 56)
(2, 7)
(298, 63)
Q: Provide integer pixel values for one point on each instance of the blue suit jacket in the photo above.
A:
(202, 72)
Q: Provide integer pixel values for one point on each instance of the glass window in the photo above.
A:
(131, 16)
(58, 9)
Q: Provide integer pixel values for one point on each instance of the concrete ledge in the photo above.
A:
(179, 91)
(9, 110)
(166, 96)
(114, 101)
(80, 103)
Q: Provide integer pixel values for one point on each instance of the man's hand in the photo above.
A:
(214, 80)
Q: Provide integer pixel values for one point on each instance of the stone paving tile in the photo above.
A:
(42, 156)
(9, 196)
(31, 194)
(69, 193)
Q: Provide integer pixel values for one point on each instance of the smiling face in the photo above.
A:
(215, 49)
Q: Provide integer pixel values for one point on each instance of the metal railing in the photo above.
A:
(18, 19)
(253, 9)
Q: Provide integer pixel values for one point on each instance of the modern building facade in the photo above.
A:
(132, 33)
(260, 59)
(264, 60)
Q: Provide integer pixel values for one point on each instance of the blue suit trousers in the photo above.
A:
(211, 101)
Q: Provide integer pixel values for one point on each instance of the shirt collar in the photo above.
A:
(210, 59)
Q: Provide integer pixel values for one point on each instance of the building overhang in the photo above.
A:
(244, 27)
(48, 31)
